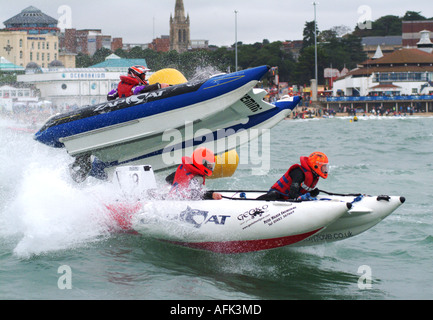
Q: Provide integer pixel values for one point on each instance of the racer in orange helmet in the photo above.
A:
(300, 179)
(318, 162)
(190, 176)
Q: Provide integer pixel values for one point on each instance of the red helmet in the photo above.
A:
(318, 162)
(204, 160)
(139, 73)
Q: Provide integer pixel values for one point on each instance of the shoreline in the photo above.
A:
(422, 114)
(360, 116)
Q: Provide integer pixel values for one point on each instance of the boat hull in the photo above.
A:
(102, 125)
(364, 215)
(227, 226)
(239, 222)
(160, 127)
(366, 212)
(221, 132)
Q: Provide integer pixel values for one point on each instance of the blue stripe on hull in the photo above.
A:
(99, 166)
(210, 89)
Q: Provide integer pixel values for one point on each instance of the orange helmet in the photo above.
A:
(204, 160)
(318, 162)
(139, 73)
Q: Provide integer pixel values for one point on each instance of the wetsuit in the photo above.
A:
(298, 180)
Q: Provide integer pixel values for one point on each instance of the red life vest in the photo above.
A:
(184, 174)
(124, 89)
(310, 181)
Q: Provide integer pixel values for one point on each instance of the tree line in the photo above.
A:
(198, 62)
(337, 48)
(389, 25)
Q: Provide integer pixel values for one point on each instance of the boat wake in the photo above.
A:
(49, 214)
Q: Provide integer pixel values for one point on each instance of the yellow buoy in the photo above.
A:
(168, 76)
(225, 165)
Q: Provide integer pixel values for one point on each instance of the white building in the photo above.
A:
(403, 72)
(78, 87)
(13, 96)
(72, 87)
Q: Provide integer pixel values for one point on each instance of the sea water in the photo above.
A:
(55, 242)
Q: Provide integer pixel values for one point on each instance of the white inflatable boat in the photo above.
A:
(240, 223)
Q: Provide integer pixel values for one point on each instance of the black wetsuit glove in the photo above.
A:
(315, 192)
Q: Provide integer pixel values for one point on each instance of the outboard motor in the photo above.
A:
(135, 181)
(80, 169)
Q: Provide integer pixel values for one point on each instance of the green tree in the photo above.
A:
(267, 53)
(354, 49)
(413, 16)
(121, 53)
(100, 55)
(308, 34)
(384, 26)
(83, 60)
(305, 68)
(8, 78)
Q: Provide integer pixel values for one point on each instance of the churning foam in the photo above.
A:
(50, 213)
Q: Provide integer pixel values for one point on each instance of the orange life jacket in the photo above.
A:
(284, 183)
(184, 174)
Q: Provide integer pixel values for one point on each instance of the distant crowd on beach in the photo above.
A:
(382, 111)
(312, 112)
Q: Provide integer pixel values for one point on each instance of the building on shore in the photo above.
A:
(32, 21)
(22, 48)
(15, 95)
(401, 78)
(403, 72)
(76, 87)
(114, 63)
(180, 34)
(411, 32)
(30, 36)
(161, 44)
(87, 41)
(386, 44)
(13, 98)
(8, 67)
(179, 29)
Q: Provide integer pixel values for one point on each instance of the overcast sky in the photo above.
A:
(137, 21)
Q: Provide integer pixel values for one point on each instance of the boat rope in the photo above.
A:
(242, 196)
(341, 194)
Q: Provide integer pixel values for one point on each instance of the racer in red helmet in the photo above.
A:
(190, 176)
(132, 84)
(301, 179)
(139, 73)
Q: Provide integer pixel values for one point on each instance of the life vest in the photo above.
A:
(124, 89)
(184, 174)
(310, 181)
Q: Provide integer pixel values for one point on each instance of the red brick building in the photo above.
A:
(87, 41)
(411, 32)
(160, 44)
(116, 43)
